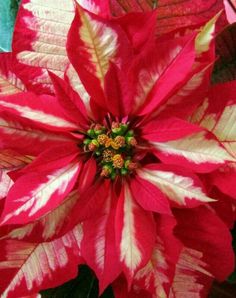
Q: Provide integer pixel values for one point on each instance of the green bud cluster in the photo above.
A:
(113, 148)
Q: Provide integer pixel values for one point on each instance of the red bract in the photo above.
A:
(173, 14)
(104, 158)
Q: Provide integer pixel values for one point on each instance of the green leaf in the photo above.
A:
(225, 66)
(84, 286)
(8, 10)
(232, 277)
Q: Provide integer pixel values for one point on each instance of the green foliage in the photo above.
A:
(225, 66)
(8, 10)
(84, 286)
(232, 277)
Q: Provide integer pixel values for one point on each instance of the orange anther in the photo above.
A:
(102, 139)
(118, 161)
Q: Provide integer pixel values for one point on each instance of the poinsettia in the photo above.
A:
(102, 160)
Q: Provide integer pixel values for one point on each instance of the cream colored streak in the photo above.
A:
(224, 128)
(50, 223)
(16, 130)
(37, 261)
(196, 148)
(155, 269)
(176, 187)
(101, 43)
(186, 282)
(51, 21)
(89, 5)
(130, 253)
(147, 79)
(6, 88)
(77, 86)
(205, 36)
(38, 198)
(42, 117)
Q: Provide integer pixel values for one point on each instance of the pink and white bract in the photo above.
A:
(115, 152)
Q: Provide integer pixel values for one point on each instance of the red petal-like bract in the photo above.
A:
(182, 188)
(201, 230)
(115, 150)
(47, 227)
(157, 276)
(168, 129)
(217, 114)
(44, 29)
(98, 245)
(98, 43)
(190, 278)
(39, 190)
(172, 14)
(29, 267)
(135, 234)
(153, 81)
(150, 197)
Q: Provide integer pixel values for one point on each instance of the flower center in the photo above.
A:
(112, 148)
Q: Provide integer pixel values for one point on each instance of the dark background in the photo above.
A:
(86, 286)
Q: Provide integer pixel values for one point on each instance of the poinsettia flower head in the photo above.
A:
(103, 154)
